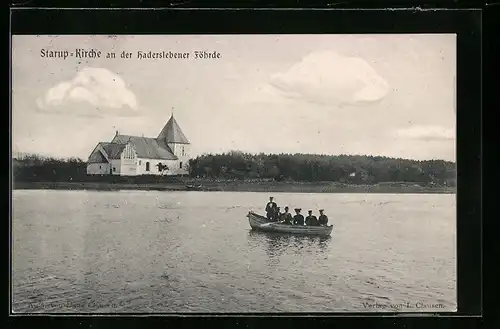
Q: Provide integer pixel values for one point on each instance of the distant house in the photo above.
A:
(125, 155)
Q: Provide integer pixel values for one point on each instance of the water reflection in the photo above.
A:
(276, 244)
(324, 243)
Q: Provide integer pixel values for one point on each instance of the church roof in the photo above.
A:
(172, 133)
(97, 157)
(146, 147)
(113, 150)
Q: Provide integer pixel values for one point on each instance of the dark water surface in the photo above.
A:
(147, 251)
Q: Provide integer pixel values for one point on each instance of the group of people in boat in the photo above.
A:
(274, 214)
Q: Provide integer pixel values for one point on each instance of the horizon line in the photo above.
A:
(249, 153)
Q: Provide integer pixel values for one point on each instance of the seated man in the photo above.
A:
(323, 219)
(277, 215)
(286, 217)
(311, 220)
(298, 219)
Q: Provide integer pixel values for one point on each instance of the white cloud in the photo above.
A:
(103, 90)
(331, 79)
(426, 133)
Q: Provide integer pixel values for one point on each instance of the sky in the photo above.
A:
(389, 95)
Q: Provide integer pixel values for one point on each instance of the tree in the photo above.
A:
(162, 168)
(187, 167)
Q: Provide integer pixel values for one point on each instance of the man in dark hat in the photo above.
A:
(271, 208)
(298, 219)
(286, 217)
(323, 219)
(277, 215)
(311, 220)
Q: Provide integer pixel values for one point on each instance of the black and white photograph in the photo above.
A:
(263, 173)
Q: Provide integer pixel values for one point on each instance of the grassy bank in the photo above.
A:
(238, 186)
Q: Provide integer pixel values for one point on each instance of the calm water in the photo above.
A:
(138, 251)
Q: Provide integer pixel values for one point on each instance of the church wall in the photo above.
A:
(115, 166)
(153, 166)
(182, 151)
(176, 168)
(128, 167)
(98, 168)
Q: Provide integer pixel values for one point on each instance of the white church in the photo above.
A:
(167, 154)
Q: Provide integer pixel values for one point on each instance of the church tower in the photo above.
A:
(173, 136)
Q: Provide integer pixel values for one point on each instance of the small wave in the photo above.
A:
(163, 220)
(166, 206)
(355, 202)
(111, 206)
(370, 282)
(382, 297)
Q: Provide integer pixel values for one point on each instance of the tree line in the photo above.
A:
(349, 169)
(33, 167)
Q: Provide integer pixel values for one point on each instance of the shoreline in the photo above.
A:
(232, 186)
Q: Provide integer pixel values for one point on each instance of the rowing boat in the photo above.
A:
(261, 223)
(194, 187)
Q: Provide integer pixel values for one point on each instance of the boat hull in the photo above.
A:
(261, 223)
(194, 187)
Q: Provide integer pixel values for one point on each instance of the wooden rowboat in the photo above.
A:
(194, 187)
(261, 223)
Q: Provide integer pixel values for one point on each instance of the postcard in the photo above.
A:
(234, 173)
